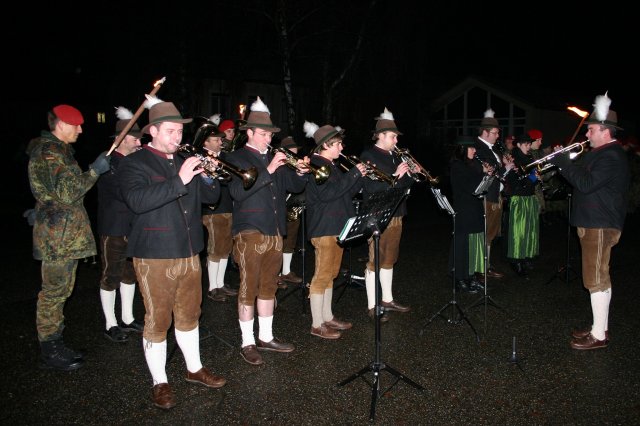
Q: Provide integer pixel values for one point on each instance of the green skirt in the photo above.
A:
(524, 227)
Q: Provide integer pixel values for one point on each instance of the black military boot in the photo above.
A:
(55, 355)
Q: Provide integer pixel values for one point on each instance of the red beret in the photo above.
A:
(226, 125)
(68, 114)
(535, 134)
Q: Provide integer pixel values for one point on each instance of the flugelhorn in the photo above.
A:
(543, 165)
(223, 170)
(416, 171)
(320, 174)
(371, 171)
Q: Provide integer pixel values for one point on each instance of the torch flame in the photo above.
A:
(578, 111)
(242, 108)
(159, 82)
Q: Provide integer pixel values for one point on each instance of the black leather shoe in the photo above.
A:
(115, 334)
(463, 287)
(519, 268)
(383, 318)
(134, 325)
(475, 284)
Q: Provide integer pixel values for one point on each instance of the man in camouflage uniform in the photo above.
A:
(62, 230)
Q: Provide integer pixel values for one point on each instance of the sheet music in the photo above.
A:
(442, 201)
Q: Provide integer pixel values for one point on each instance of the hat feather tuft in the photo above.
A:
(151, 101)
(489, 113)
(123, 113)
(386, 115)
(259, 106)
(603, 102)
(310, 128)
(215, 119)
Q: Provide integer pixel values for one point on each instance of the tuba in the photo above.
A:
(223, 170)
(320, 174)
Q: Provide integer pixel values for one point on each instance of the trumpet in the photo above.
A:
(543, 165)
(371, 171)
(416, 171)
(223, 170)
(320, 174)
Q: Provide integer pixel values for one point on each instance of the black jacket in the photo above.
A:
(519, 183)
(600, 179)
(263, 206)
(114, 217)
(168, 220)
(387, 162)
(330, 204)
(486, 154)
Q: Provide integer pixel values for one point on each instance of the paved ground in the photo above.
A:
(466, 380)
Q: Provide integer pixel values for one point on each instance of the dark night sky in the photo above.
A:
(63, 54)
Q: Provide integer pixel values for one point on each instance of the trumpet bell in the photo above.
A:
(248, 177)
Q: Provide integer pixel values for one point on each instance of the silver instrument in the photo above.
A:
(543, 165)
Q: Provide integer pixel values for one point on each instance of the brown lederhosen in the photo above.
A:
(260, 259)
(494, 219)
(169, 287)
(389, 246)
(116, 266)
(328, 262)
(596, 244)
(219, 242)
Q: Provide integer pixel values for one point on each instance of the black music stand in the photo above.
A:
(374, 217)
(349, 279)
(567, 267)
(486, 300)
(302, 287)
(455, 307)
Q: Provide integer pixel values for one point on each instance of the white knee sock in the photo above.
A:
(370, 284)
(246, 327)
(316, 301)
(600, 308)
(127, 293)
(212, 269)
(265, 331)
(608, 292)
(327, 313)
(222, 269)
(156, 356)
(386, 280)
(108, 299)
(189, 342)
(286, 263)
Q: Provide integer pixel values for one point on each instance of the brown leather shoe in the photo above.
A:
(216, 295)
(227, 291)
(282, 285)
(251, 355)
(492, 273)
(584, 332)
(325, 332)
(275, 346)
(383, 318)
(588, 342)
(394, 306)
(205, 377)
(291, 277)
(336, 324)
(163, 396)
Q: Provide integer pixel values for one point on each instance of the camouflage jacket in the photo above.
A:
(62, 229)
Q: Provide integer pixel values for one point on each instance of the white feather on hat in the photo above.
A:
(338, 129)
(151, 101)
(386, 115)
(603, 102)
(259, 106)
(489, 113)
(215, 119)
(123, 113)
(310, 128)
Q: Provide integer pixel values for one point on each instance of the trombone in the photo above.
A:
(416, 171)
(371, 171)
(320, 174)
(543, 165)
(223, 170)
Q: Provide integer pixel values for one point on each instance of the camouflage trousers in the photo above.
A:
(58, 279)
